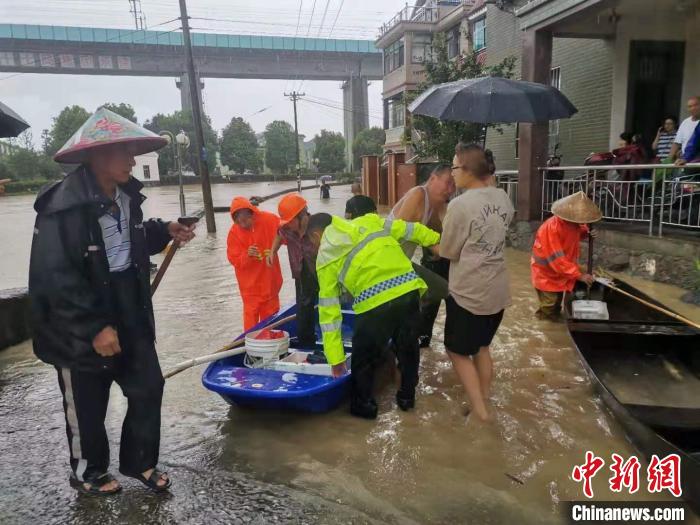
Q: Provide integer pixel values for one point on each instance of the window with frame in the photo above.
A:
(479, 34)
(452, 38)
(421, 49)
(146, 172)
(393, 56)
(397, 113)
(554, 81)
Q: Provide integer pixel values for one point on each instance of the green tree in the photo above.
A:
(367, 142)
(64, 126)
(280, 146)
(330, 151)
(239, 147)
(125, 110)
(182, 121)
(25, 164)
(437, 138)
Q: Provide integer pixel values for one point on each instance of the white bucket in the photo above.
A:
(266, 349)
(590, 310)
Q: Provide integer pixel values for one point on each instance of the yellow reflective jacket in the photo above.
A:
(365, 258)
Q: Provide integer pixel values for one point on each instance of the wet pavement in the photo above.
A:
(229, 465)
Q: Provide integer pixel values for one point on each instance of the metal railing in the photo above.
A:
(671, 199)
(424, 15)
(507, 180)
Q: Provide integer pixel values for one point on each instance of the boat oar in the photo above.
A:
(610, 284)
(229, 350)
(187, 221)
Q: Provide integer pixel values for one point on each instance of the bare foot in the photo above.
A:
(107, 487)
(162, 481)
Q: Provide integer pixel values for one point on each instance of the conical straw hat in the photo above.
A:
(106, 127)
(577, 208)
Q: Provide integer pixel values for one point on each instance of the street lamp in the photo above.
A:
(176, 141)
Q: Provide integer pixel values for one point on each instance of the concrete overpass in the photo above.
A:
(98, 51)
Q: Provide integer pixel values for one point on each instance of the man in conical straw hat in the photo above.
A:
(554, 262)
(91, 302)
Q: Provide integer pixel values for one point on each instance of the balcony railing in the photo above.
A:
(671, 197)
(394, 135)
(419, 15)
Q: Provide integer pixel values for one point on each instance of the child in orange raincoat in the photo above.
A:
(554, 262)
(249, 242)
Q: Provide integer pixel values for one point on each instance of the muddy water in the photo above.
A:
(229, 465)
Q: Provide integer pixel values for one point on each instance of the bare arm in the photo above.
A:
(276, 243)
(655, 144)
(675, 151)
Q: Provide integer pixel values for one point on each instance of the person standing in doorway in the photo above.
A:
(248, 245)
(473, 239)
(91, 303)
(665, 136)
(427, 204)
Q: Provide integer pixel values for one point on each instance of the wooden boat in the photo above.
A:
(646, 366)
(292, 384)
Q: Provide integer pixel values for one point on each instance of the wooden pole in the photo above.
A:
(222, 352)
(609, 284)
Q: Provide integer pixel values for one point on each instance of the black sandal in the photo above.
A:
(152, 481)
(95, 484)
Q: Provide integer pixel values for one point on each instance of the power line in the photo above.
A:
(345, 110)
(340, 8)
(323, 19)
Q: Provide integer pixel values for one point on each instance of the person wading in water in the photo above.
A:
(91, 302)
(473, 239)
(427, 204)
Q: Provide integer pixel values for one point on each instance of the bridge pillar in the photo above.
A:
(185, 99)
(355, 114)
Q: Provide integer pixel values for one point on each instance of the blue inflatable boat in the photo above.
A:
(292, 383)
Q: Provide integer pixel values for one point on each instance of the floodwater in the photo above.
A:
(229, 465)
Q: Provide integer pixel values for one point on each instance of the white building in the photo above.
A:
(146, 169)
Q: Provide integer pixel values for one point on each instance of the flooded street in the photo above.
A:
(230, 465)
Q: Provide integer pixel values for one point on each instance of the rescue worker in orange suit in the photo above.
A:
(554, 262)
(294, 218)
(249, 243)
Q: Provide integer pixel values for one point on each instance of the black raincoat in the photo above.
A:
(69, 280)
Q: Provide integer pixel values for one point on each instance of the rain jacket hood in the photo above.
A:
(241, 203)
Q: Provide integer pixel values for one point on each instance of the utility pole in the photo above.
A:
(294, 96)
(197, 117)
(139, 18)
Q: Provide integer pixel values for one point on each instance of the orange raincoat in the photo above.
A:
(259, 284)
(554, 262)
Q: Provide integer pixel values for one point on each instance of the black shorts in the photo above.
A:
(465, 332)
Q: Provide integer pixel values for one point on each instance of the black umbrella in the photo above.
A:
(493, 100)
(11, 124)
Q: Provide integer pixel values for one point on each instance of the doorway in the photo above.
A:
(655, 85)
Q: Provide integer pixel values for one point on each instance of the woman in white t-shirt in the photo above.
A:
(473, 239)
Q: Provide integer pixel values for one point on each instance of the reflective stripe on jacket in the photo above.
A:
(364, 257)
(554, 261)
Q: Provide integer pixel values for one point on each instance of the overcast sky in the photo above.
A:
(38, 98)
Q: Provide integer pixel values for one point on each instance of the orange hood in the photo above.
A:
(241, 203)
